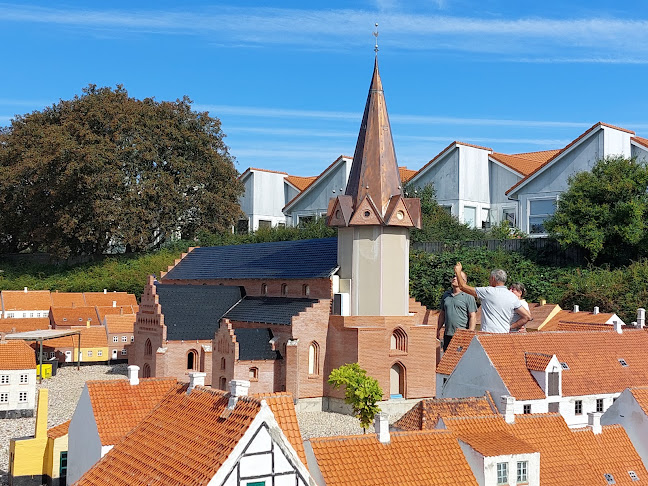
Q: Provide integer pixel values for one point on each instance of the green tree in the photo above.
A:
(361, 391)
(605, 211)
(437, 223)
(105, 169)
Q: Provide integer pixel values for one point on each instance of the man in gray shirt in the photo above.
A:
(458, 310)
(497, 302)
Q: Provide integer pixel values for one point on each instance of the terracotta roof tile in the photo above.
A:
(107, 299)
(58, 430)
(103, 311)
(74, 316)
(426, 413)
(24, 324)
(120, 324)
(455, 351)
(184, 440)
(410, 459)
(641, 141)
(566, 456)
(119, 406)
(582, 317)
(67, 299)
(301, 183)
(335, 162)
(582, 326)
(283, 409)
(540, 313)
(541, 156)
(406, 174)
(91, 337)
(16, 300)
(592, 357)
(537, 361)
(640, 393)
(496, 443)
(16, 355)
(517, 163)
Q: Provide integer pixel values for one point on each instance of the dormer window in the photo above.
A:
(554, 384)
(609, 478)
(633, 475)
(623, 362)
(564, 365)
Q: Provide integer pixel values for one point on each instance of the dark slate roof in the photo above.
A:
(276, 260)
(194, 311)
(269, 310)
(255, 344)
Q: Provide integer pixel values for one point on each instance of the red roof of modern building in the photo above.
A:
(640, 141)
(301, 183)
(422, 458)
(16, 355)
(517, 163)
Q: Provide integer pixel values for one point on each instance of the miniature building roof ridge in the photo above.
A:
(250, 169)
(16, 355)
(496, 443)
(58, 430)
(640, 140)
(516, 163)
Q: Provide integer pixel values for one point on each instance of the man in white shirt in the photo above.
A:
(497, 302)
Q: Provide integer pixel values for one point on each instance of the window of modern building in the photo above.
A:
(539, 211)
(265, 224)
(470, 216)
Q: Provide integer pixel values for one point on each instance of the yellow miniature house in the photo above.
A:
(41, 459)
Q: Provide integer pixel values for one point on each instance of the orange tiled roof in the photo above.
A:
(107, 299)
(406, 174)
(592, 357)
(16, 300)
(116, 324)
(410, 459)
(582, 317)
(640, 393)
(103, 310)
(91, 337)
(641, 141)
(582, 326)
(58, 430)
(341, 157)
(185, 440)
(301, 183)
(74, 316)
(540, 313)
(16, 355)
(119, 406)
(283, 409)
(541, 156)
(23, 324)
(517, 163)
(496, 443)
(566, 456)
(455, 351)
(537, 361)
(426, 413)
(67, 299)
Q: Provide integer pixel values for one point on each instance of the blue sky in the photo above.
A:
(289, 81)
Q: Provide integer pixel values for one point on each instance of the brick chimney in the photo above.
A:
(196, 378)
(594, 421)
(381, 424)
(641, 317)
(133, 374)
(508, 409)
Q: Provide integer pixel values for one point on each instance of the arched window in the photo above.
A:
(264, 289)
(399, 340)
(223, 383)
(284, 289)
(313, 358)
(222, 363)
(146, 372)
(254, 374)
(148, 348)
(192, 360)
(305, 290)
(397, 380)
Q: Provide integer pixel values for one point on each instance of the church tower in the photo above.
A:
(373, 219)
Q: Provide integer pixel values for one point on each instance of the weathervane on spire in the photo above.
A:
(375, 33)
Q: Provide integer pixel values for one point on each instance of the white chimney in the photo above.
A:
(114, 303)
(596, 310)
(508, 408)
(594, 421)
(576, 309)
(238, 388)
(105, 291)
(641, 317)
(617, 326)
(196, 378)
(381, 424)
(25, 289)
(133, 374)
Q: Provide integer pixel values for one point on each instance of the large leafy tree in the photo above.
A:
(104, 169)
(605, 211)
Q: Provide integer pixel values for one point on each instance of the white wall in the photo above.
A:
(444, 175)
(641, 153)
(84, 448)
(567, 407)
(14, 388)
(627, 412)
(27, 313)
(264, 197)
(533, 468)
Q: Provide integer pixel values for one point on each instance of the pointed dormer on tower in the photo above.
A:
(373, 218)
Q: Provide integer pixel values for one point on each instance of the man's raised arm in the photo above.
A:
(462, 283)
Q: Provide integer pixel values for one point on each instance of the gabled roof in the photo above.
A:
(563, 151)
(107, 298)
(431, 457)
(67, 299)
(91, 337)
(566, 456)
(74, 316)
(58, 430)
(640, 394)
(184, 440)
(541, 156)
(103, 311)
(537, 361)
(593, 360)
(582, 317)
(406, 174)
(519, 164)
(24, 324)
(17, 300)
(254, 344)
(426, 414)
(16, 355)
(269, 310)
(640, 141)
(315, 182)
(120, 324)
(298, 259)
(496, 443)
(455, 351)
(119, 406)
(540, 313)
(300, 183)
(193, 311)
(444, 152)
